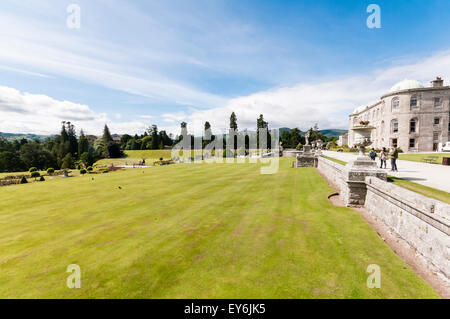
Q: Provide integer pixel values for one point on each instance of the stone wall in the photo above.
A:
(291, 153)
(424, 223)
(421, 221)
(333, 172)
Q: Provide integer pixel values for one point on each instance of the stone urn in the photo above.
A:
(362, 137)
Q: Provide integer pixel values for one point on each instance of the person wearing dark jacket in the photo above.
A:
(394, 155)
(383, 157)
(373, 154)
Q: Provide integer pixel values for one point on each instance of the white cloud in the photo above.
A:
(328, 103)
(174, 117)
(7, 68)
(50, 49)
(22, 112)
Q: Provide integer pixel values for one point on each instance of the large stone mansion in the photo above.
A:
(411, 116)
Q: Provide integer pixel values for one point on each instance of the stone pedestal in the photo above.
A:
(306, 158)
(291, 153)
(355, 176)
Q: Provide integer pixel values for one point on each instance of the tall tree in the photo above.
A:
(83, 144)
(64, 136)
(106, 135)
(183, 130)
(153, 132)
(233, 121)
(72, 135)
(261, 124)
(207, 131)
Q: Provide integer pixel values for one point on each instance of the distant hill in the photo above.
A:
(19, 136)
(327, 133)
(333, 132)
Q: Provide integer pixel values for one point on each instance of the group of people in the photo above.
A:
(385, 155)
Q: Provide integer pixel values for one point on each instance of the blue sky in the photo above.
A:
(136, 63)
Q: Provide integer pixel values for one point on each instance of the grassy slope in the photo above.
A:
(412, 186)
(131, 157)
(193, 231)
(336, 160)
(421, 189)
(420, 157)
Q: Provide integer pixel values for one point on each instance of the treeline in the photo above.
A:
(69, 150)
(295, 138)
(150, 140)
(63, 151)
(290, 138)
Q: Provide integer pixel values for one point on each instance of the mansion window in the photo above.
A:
(412, 126)
(436, 136)
(413, 102)
(394, 142)
(437, 120)
(437, 101)
(412, 143)
(395, 103)
(394, 126)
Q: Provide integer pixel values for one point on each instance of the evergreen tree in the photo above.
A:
(106, 135)
(67, 162)
(153, 131)
(72, 137)
(208, 136)
(183, 131)
(83, 144)
(64, 136)
(233, 126)
(233, 121)
(261, 124)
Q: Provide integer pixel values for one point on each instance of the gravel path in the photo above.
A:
(432, 175)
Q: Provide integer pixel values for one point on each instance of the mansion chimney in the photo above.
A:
(437, 83)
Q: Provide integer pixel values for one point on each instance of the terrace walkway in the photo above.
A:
(432, 175)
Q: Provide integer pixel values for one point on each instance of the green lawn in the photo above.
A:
(133, 157)
(438, 194)
(193, 231)
(420, 157)
(335, 160)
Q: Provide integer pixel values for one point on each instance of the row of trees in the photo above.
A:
(150, 140)
(291, 138)
(208, 137)
(66, 150)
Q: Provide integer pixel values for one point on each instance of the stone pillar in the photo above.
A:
(306, 158)
(355, 176)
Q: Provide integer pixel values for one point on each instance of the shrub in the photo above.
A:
(67, 161)
(50, 170)
(161, 159)
(299, 146)
(35, 175)
(42, 179)
(23, 180)
(83, 171)
(105, 171)
(90, 169)
(33, 169)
